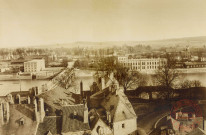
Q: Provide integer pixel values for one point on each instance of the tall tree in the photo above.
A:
(107, 64)
(128, 79)
(167, 75)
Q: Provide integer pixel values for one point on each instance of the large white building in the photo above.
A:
(145, 65)
(34, 65)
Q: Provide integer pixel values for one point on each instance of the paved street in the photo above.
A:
(148, 121)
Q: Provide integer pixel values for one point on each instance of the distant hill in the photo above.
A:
(191, 41)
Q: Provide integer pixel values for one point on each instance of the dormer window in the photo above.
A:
(21, 121)
(123, 125)
(74, 114)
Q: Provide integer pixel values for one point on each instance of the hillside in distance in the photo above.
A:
(191, 41)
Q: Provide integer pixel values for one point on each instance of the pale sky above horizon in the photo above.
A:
(38, 22)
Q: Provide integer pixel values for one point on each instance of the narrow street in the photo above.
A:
(146, 124)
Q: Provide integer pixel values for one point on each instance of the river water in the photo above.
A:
(9, 86)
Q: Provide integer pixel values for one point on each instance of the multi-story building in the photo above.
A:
(34, 65)
(143, 64)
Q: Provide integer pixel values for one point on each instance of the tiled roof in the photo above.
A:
(95, 119)
(119, 107)
(55, 96)
(50, 124)
(101, 94)
(73, 123)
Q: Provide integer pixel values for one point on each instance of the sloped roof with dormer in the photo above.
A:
(119, 107)
(51, 124)
(74, 122)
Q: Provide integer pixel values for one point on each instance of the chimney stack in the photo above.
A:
(38, 90)
(103, 83)
(41, 109)
(35, 109)
(29, 100)
(85, 113)
(108, 117)
(10, 98)
(7, 112)
(18, 99)
(35, 91)
(81, 89)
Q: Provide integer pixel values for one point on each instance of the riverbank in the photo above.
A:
(15, 77)
(192, 70)
(181, 70)
(45, 74)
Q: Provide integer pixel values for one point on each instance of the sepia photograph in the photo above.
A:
(102, 67)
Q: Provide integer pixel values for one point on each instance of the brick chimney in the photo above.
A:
(85, 113)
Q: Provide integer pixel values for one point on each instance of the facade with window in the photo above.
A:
(34, 65)
(116, 116)
(142, 64)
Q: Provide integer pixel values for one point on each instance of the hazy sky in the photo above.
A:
(35, 22)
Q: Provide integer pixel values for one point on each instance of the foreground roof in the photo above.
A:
(71, 122)
(55, 97)
(51, 124)
(119, 107)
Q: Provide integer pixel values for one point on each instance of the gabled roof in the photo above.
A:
(119, 107)
(73, 123)
(100, 94)
(51, 124)
(96, 118)
(20, 112)
(49, 133)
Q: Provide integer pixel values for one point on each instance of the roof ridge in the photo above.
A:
(118, 102)
(52, 116)
(128, 107)
(73, 105)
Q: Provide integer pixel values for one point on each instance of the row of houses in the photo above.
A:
(59, 111)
